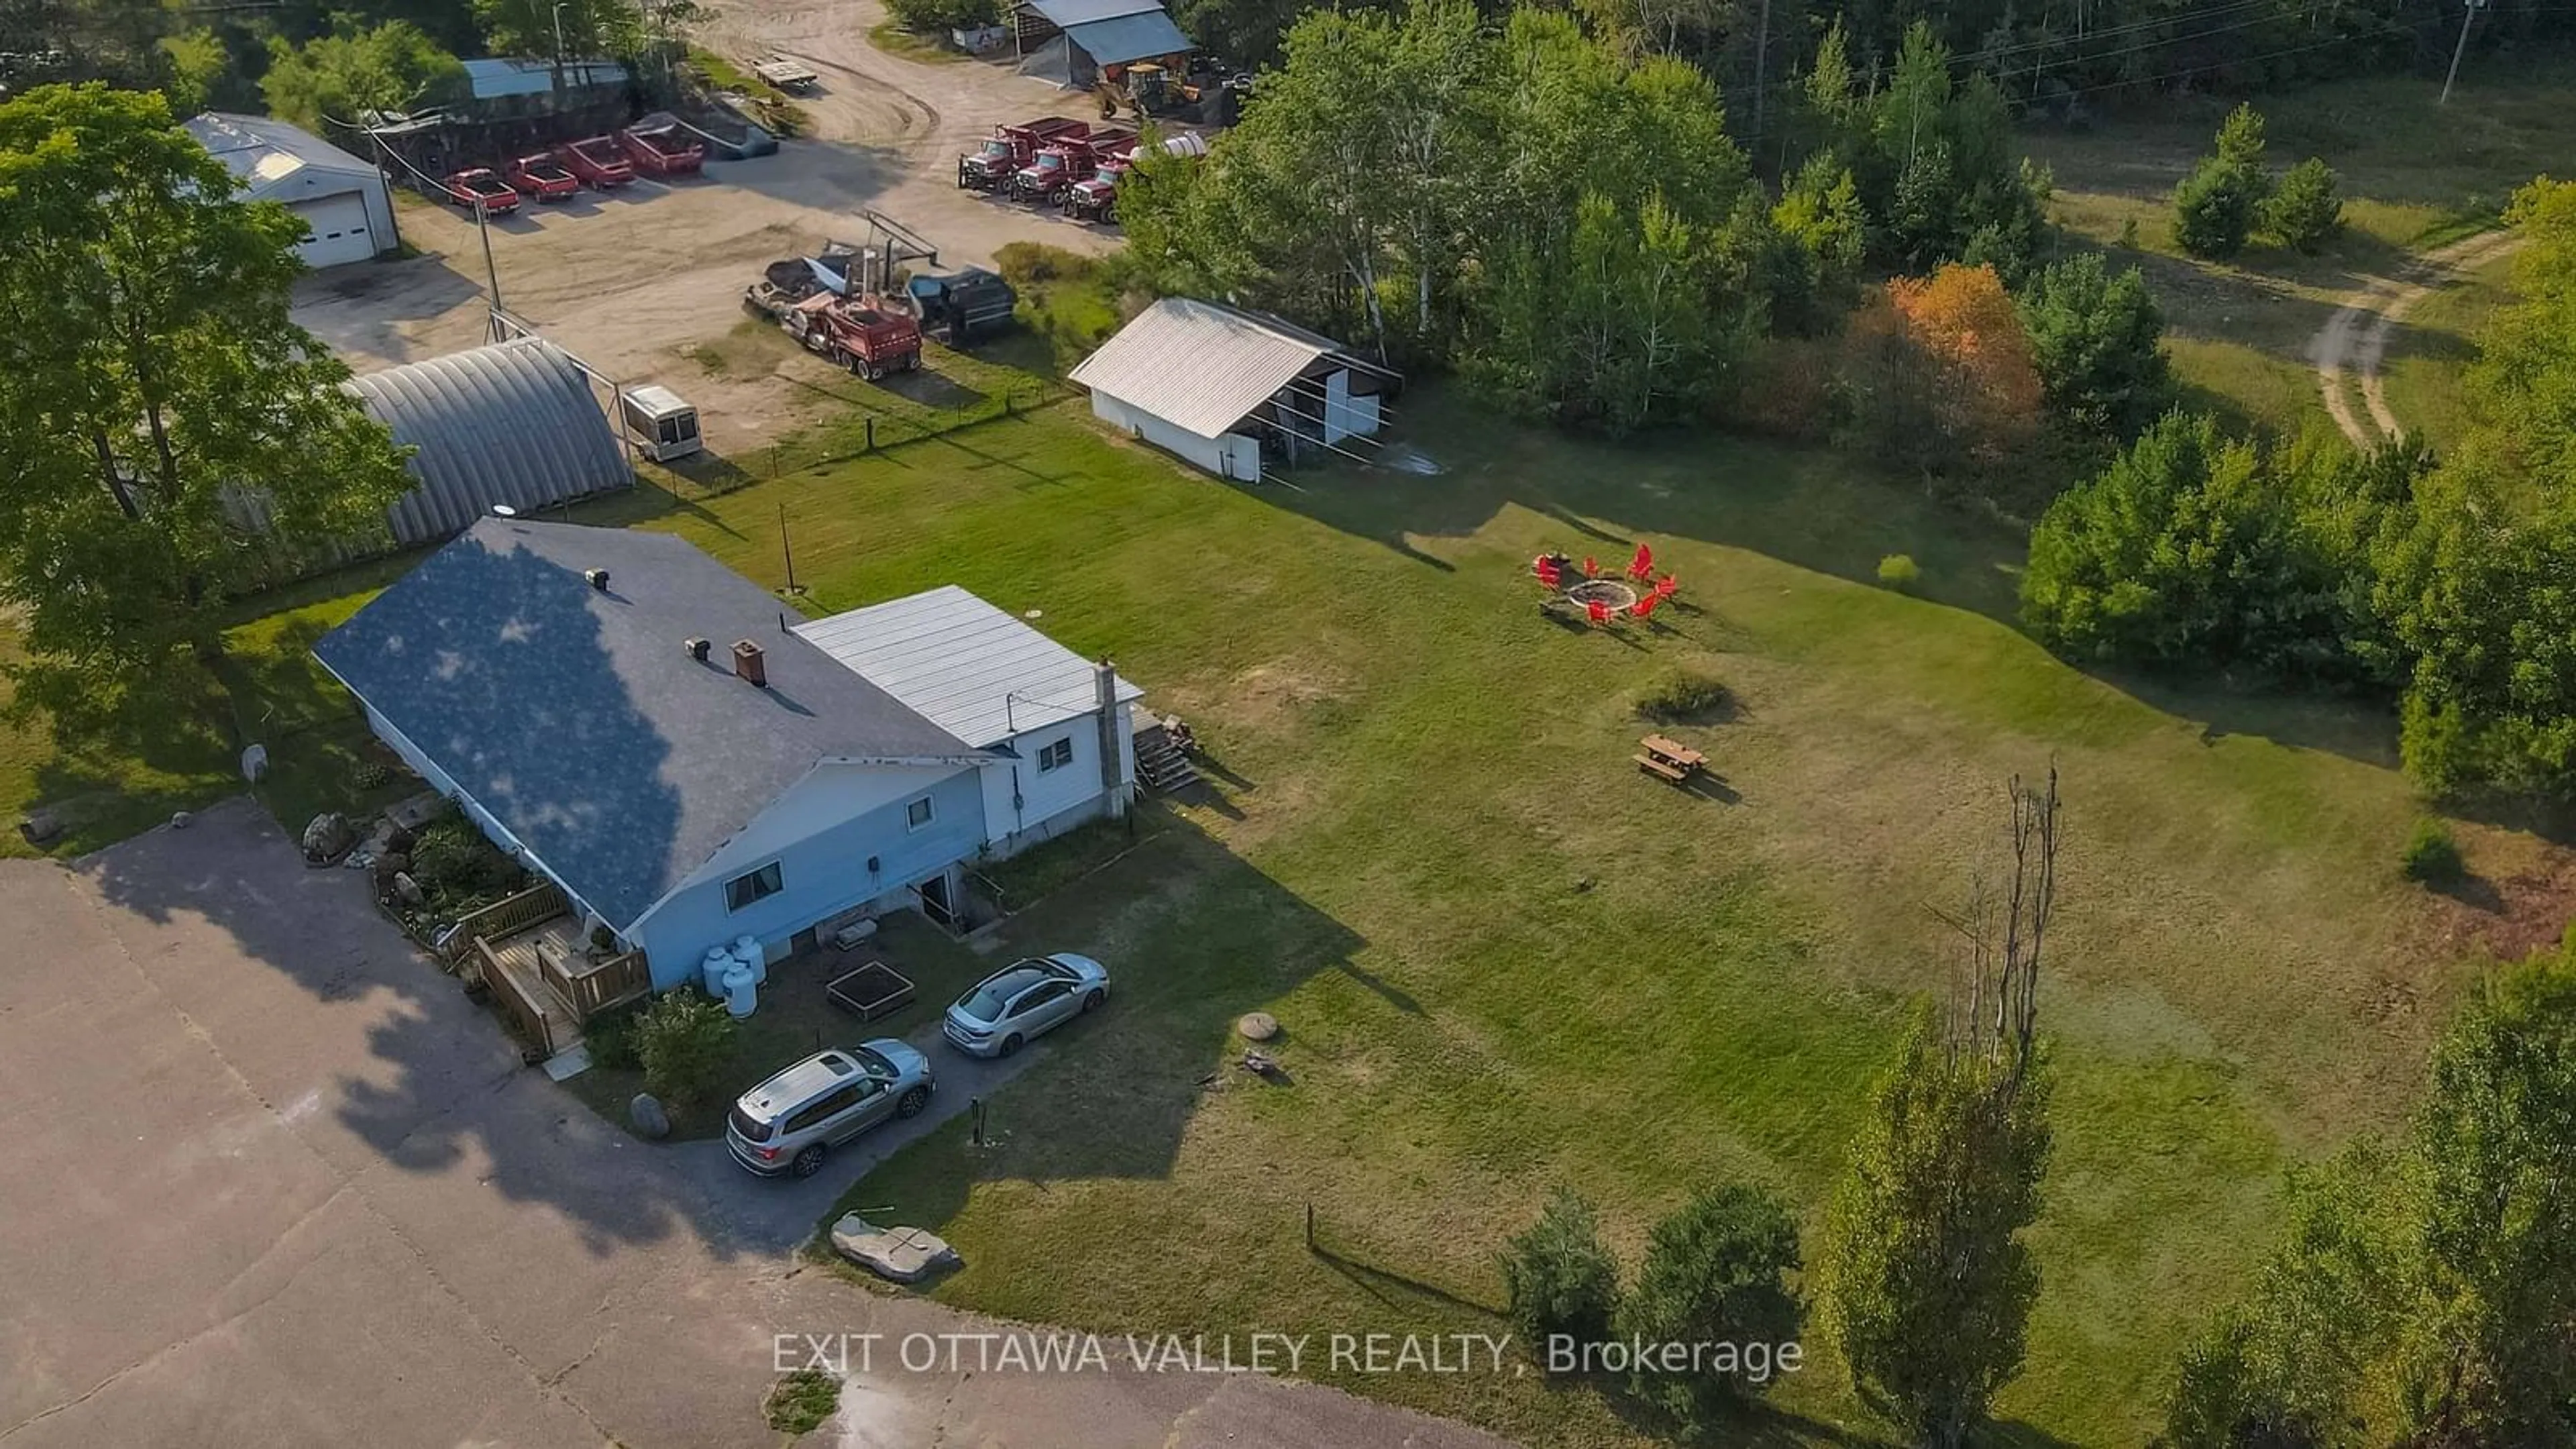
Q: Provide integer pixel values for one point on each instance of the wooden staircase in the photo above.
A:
(1160, 763)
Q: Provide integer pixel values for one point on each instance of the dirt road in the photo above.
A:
(2355, 339)
(630, 280)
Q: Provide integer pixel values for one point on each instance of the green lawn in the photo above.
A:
(1506, 960)
(2414, 176)
(174, 742)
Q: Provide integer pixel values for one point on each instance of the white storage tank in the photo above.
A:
(711, 971)
(741, 993)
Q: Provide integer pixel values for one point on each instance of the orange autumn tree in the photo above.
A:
(1941, 370)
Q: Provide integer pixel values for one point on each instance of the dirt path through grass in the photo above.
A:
(2355, 339)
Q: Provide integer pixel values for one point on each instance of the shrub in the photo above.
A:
(370, 775)
(450, 857)
(1899, 571)
(611, 1038)
(2304, 209)
(1559, 1278)
(683, 1041)
(799, 1402)
(1678, 695)
(2432, 856)
(1713, 1274)
(942, 15)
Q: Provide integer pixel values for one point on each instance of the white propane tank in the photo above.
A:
(741, 993)
(711, 971)
(746, 949)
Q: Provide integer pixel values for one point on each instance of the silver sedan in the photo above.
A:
(1022, 1000)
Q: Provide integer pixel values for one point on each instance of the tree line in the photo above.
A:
(305, 60)
(2442, 583)
(2063, 59)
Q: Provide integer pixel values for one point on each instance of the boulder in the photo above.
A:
(181, 819)
(904, 1255)
(328, 837)
(40, 826)
(408, 891)
(645, 1111)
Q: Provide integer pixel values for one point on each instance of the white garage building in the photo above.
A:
(340, 197)
(1231, 390)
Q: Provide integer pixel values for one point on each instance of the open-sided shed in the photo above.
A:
(1214, 384)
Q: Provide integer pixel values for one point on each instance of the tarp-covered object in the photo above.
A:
(512, 423)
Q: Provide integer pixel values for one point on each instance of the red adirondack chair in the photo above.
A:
(1644, 606)
(1664, 587)
(1642, 566)
(1591, 569)
(1549, 574)
(1597, 611)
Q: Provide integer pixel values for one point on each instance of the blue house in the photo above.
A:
(691, 763)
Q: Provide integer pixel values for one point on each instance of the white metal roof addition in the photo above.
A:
(963, 664)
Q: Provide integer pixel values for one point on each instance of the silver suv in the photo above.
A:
(792, 1121)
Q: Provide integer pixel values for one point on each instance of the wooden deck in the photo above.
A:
(546, 982)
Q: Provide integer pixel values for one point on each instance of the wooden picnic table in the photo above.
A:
(1670, 759)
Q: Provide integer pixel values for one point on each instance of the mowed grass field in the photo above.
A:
(2414, 176)
(1506, 960)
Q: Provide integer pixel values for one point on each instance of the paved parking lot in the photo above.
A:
(273, 1181)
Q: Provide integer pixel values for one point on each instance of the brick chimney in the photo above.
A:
(750, 663)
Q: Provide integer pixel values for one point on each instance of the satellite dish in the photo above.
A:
(504, 510)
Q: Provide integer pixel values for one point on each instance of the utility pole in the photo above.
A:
(1761, 54)
(491, 273)
(2468, 11)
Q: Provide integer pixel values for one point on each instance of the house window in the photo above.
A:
(917, 814)
(760, 884)
(1056, 755)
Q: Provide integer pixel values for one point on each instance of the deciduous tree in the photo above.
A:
(152, 387)
(390, 67)
(1715, 1272)
(1927, 1281)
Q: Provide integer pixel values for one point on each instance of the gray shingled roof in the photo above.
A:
(512, 423)
(577, 717)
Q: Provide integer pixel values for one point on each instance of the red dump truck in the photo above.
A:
(662, 149)
(990, 166)
(863, 334)
(597, 160)
(542, 176)
(1054, 170)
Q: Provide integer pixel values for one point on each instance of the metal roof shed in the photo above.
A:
(1209, 382)
(512, 423)
(1121, 38)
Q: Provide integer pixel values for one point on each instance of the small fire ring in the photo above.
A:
(1613, 594)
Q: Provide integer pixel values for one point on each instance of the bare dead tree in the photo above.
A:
(1994, 1005)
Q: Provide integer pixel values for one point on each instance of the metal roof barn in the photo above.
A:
(512, 423)
(963, 664)
(1128, 37)
(1069, 13)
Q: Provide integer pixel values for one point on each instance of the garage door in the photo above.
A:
(339, 230)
